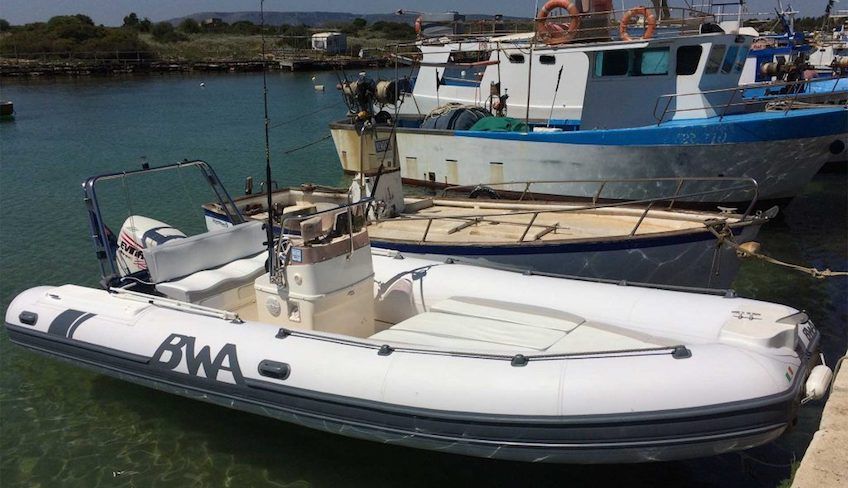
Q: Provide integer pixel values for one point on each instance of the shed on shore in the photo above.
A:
(329, 42)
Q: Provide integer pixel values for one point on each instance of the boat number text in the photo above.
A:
(809, 331)
(178, 346)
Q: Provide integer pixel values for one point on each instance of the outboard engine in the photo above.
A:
(139, 233)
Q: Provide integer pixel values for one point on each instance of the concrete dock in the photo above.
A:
(825, 463)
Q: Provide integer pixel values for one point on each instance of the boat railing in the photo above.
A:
(100, 233)
(784, 95)
(591, 26)
(736, 184)
(352, 210)
(683, 21)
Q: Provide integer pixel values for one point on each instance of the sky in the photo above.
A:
(111, 12)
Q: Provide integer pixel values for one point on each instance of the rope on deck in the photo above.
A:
(724, 235)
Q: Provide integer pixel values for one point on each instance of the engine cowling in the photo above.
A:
(139, 233)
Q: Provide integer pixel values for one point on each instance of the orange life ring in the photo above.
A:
(650, 22)
(555, 33)
(418, 25)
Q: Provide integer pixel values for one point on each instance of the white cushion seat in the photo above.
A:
(201, 285)
(178, 258)
(481, 325)
(199, 267)
(448, 330)
(516, 313)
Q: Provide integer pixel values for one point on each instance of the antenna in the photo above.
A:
(269, 226)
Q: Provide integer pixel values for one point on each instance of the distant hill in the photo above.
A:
(312, 19)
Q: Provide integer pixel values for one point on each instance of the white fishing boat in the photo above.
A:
(646, 241)
(776, 62)
(830, 53)
(590, 106)
(445, 356)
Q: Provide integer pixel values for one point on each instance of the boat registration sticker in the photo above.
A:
(807, 334)
(381, 145)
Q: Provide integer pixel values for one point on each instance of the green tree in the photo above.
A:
(189, 26)
(393, 30)
(76, 27)
(72, 34)
(145, 25)
(243, 27)
(165, 32)
(359, 23)
(131, 20)
(4, 25)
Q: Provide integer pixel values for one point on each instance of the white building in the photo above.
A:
(329, 42)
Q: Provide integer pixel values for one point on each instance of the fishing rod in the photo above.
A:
(269, 226)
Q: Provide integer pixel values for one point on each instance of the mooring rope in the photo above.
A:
(725, 235)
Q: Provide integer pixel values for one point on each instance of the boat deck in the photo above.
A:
(492, 222)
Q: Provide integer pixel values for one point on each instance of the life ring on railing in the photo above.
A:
(556, 33)
(642, 11)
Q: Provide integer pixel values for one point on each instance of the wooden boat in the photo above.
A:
(646, 242)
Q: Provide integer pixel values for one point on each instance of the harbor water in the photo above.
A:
(65, 426)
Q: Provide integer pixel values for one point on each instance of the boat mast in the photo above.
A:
(269, 226)
(530, 64)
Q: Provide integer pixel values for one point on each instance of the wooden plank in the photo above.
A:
(463, 225)
(546, 231)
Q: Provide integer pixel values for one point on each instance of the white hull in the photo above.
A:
(614, 406)
(781, 168)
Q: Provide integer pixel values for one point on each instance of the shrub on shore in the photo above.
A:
(70, 35)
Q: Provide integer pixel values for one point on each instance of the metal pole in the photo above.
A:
(529, 78)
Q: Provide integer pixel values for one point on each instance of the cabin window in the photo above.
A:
(469, 56)
(650, 62)
(547, 59)
(688, 58)
(729, 59)
(612, 63)
(465, 75)
(516, 58)
(714, 61)
(740, 59)
(635, 62)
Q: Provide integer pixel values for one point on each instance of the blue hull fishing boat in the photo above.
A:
(663, 101)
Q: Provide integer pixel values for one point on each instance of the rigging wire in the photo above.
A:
(303, 116)
(298, 148)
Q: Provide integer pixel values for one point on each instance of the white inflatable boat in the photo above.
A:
(435, 355)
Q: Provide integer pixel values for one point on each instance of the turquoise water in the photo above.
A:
(64, 426)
